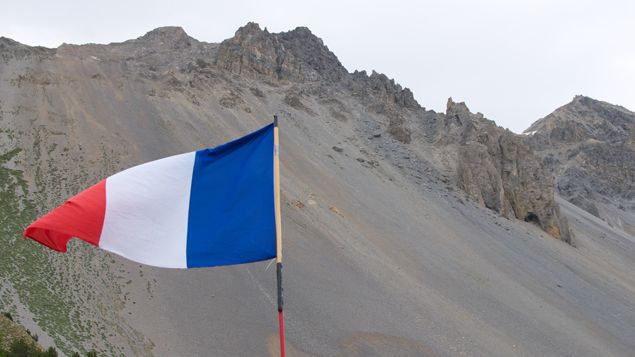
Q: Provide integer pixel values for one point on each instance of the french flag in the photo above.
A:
(200, 209)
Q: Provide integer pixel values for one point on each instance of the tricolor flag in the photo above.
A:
(206, 208)
(199, 209)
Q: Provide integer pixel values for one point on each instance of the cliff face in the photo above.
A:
(499, 170)
(588, 146)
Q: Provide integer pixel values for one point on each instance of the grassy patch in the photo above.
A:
(10, 332)
(24, 264)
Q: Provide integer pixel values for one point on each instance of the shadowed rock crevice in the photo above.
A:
(531, 217)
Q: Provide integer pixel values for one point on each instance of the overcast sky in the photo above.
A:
(514, 61)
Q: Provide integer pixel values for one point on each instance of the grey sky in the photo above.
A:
(514, 61)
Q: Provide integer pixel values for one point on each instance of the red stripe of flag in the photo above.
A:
(81, 216)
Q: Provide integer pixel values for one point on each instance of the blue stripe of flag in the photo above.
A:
(232, 215)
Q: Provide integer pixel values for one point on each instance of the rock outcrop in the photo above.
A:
(499, 170)
(385, 97)
(297, 55)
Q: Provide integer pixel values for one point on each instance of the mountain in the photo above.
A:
(589, 146)
(406, 232)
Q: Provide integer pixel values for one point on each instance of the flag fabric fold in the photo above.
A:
(200, 209)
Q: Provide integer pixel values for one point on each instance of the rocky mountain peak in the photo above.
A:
(248, 31)
(168, 36)
(452, 106)
(589, 109)
(582, 119)
(456, 111)
(296, 55)
(11, 49)
(588, 145)
(580, 98)
(6, 42)
(302, 32)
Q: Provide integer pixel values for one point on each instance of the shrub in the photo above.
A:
(22, 349)
(8, 315)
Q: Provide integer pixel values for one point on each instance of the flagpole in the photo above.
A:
(276, 184)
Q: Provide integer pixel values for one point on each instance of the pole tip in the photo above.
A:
(275, 120)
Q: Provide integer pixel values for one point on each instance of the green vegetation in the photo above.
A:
(60, 290)
(16, 341)
(21, 348)
(25, 266)
(89, 354)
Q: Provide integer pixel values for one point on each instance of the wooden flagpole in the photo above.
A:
(276, 184)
